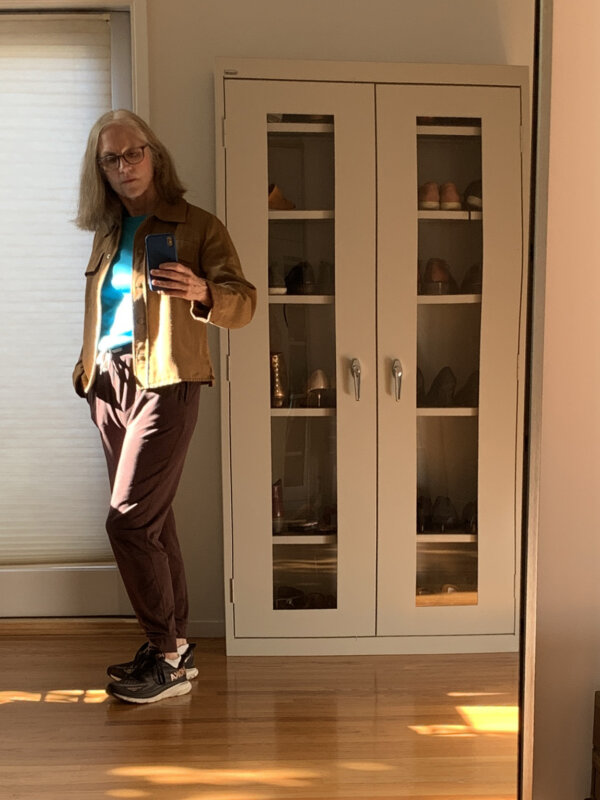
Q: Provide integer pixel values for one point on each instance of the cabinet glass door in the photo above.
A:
(450, 256)
(301, 212)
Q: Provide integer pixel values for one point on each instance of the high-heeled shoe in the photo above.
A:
(437, 278)
(441, 391)
(279, 388)
(277, 202)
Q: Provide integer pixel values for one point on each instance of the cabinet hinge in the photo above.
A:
(231, 590)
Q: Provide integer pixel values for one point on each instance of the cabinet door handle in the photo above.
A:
(355, 369)
(397, 376)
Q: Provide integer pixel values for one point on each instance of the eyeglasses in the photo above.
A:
(113, 161)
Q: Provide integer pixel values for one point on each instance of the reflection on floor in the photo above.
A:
(350, 728)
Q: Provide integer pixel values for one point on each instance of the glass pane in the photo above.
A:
(450, 291)
(302, 360)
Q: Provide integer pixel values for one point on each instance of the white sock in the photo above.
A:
(174, 662)
(182, 648)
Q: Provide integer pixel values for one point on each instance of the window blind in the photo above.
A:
(55, 80)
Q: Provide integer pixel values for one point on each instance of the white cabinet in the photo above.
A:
(372, 410)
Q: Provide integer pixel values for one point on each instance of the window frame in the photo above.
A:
(138, 14)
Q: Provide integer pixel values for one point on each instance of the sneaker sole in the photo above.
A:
(451, 206)
(429, 205)
(171, 691)
(190, 674)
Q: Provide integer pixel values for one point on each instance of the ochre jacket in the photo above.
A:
(169, 334)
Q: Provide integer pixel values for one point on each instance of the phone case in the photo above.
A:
(160, 247)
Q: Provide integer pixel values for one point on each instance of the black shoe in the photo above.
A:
(443, 516)
(119, 672)
(187, 661)
(441, 391)
(468, 396)
(154, 680)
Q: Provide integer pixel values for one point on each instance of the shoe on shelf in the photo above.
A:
(301, 279)
(277, 280)
(437, 278)
(468, 395)
(429, 196)
(286, 597)
(474, 196)
(317, 389)
(450, 200)
(423, 513)
(119, 672)
(155, 679)
(277, 202)
(472, 283)
(443, 515)
(420, 388)
(279, 384)
(469, 517)
(441, 391)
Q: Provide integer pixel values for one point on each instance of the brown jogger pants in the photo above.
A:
(145, 434)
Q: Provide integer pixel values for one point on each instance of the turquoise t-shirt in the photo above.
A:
(117, 310)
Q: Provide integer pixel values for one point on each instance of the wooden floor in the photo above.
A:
(349, 728)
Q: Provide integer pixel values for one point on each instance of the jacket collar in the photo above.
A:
(167, 212)
(171, 212)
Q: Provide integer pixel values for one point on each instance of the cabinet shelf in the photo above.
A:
(447, 412)
(447, 299)
(302, 299)
(301, 214)
(442, 131)
(304, 538)
(303, 412)
(468, 216)
(446, 538)
(299, 127)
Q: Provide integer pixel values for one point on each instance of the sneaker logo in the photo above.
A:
(178, 673)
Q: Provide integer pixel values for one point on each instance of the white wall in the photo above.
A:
(184, 38)
(568, 616)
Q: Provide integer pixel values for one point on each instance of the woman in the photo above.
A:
(143, 360)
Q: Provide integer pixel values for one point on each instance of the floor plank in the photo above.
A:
(254, 728)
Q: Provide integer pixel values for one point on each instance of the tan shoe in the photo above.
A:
(449, 197)
(429, 196)
(437, 278)
(277, 202)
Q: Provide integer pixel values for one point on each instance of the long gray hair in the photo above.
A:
(99, 206)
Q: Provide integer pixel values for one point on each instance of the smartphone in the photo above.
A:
(160, 247)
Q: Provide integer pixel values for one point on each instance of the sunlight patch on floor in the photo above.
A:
(285, 778)
(490, 720)
(55, 696)
(366, 766)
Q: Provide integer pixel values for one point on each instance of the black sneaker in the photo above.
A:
(154, 680)
(187, 661)
(119, 672)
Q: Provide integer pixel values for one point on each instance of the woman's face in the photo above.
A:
(133, 183)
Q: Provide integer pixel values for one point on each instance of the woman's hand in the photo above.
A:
(177, 280)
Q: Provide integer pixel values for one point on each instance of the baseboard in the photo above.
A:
(206, 628)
